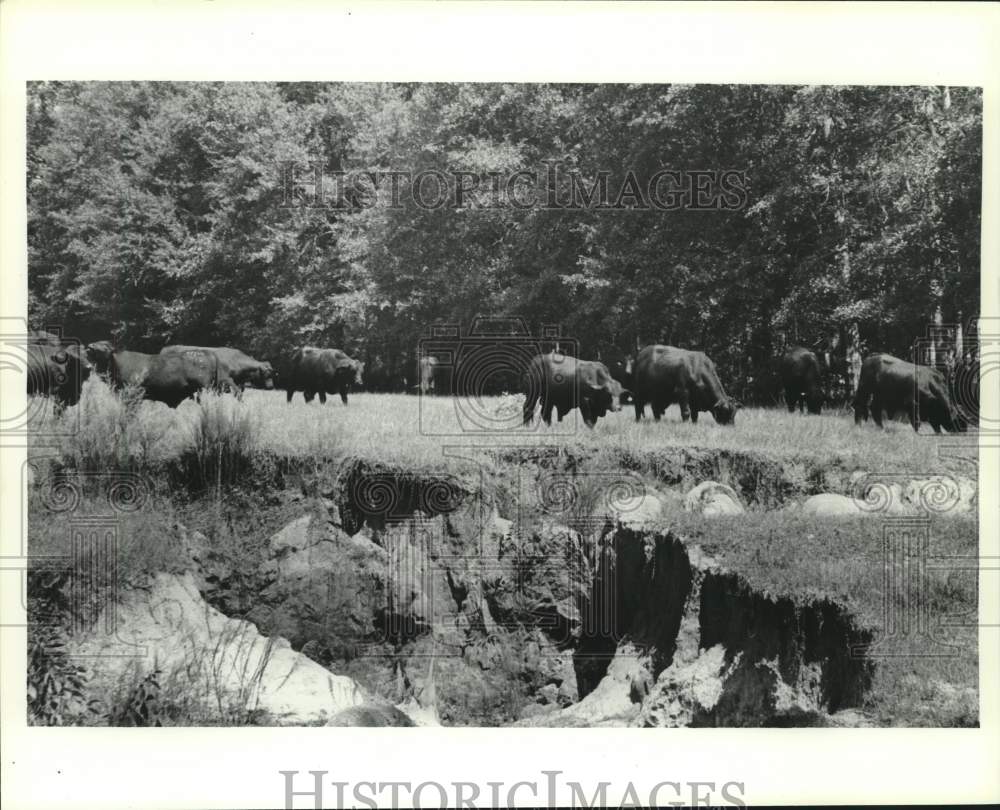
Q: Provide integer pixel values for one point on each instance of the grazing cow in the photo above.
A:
(563, 382)
(620, 366)
(802, 380)
(241, 368)
(166, 378)
(323, 371)
(665, 375)
(56, 371)
(893, 386)
(427, 368)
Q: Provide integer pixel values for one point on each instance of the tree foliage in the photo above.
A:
(156, 213)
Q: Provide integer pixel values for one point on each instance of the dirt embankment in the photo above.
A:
(533, 621)
(548, 592)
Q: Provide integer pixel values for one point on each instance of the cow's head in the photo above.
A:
(100, 354)
(618, 395)
(262, 376)
(724, 411)
(267, 372)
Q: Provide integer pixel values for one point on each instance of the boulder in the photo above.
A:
(713, 499)
(829, 504)
(874, 496)
(223, 668)
(943, 495)
(641, 509)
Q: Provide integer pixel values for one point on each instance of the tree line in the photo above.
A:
(162, 212)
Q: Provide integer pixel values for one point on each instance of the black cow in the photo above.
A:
(563, 382)
(323, 371)
(56, 371)
(620, 365)
(238, 366)
(665, 375)
(166, 378)
(802, 380)
(893, 386)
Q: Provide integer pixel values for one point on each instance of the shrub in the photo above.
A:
(118, 430)
(223, 452)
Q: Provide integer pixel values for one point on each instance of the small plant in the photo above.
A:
(223, 451)
(144, 704)
(56, 686)
(114, 430)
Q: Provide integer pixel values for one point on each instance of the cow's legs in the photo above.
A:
(309, 395)
(860, 407)
(686, 408)
(876, 408)
(289, 394)
(694, 416)
(586, 413)
(640, 406)
(790, 397)
(343, 396)
(547, 411)
(530, 400)
(322, 397)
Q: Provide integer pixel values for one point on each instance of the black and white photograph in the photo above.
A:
(500, 404)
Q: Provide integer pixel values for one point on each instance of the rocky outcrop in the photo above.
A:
(222, 668)
(713, 499)
(538, 623)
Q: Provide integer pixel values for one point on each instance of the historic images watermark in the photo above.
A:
(316, 789)
(552, 187)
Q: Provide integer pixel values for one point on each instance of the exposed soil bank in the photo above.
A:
(516, 595)
(526, 618)
(654, 594)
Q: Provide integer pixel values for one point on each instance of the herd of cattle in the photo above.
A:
(659, 376)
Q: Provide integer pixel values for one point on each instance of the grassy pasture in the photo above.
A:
(412, 432)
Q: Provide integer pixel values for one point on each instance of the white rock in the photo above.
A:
(943, 495)
(713, 499)
(640, 509)
(213, 660)
(829, 504)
